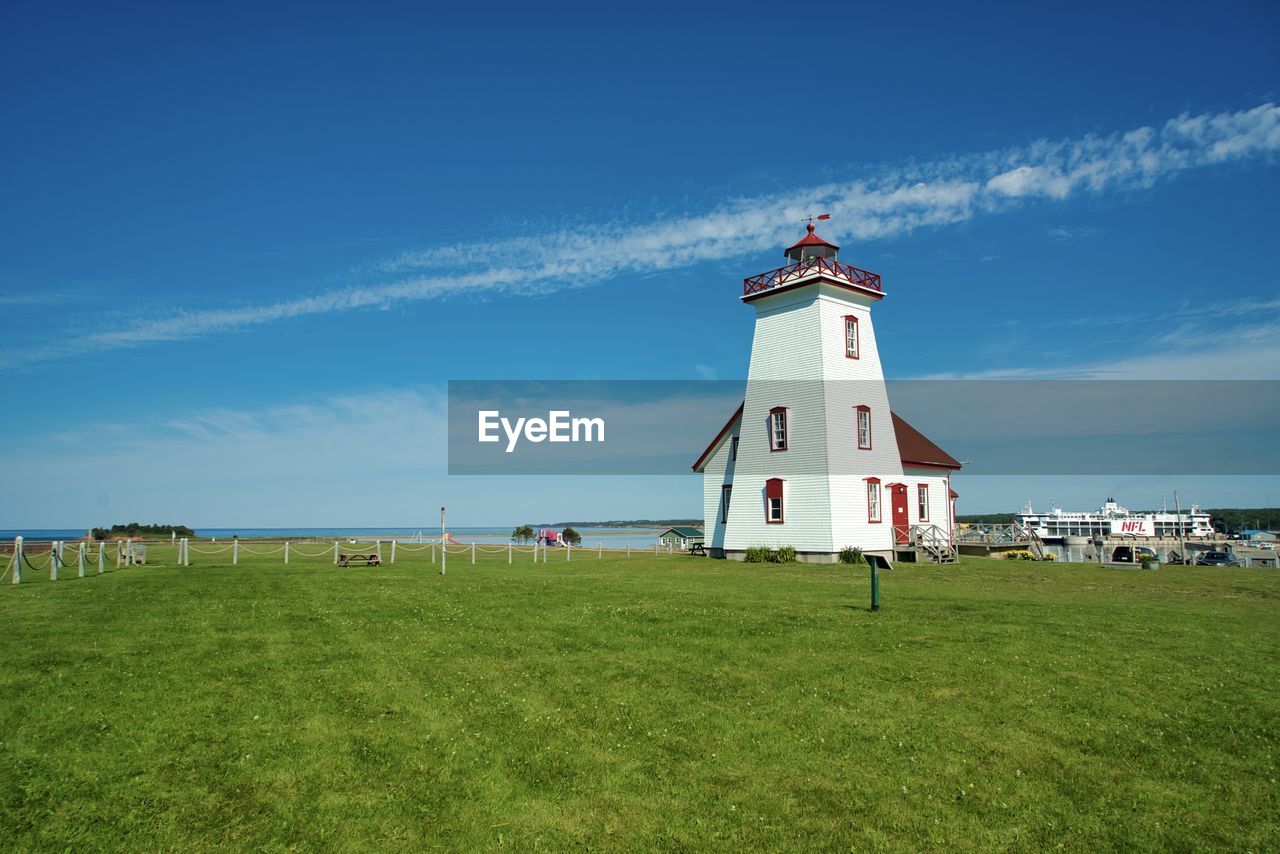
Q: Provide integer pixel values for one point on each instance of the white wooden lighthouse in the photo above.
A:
(815, 458)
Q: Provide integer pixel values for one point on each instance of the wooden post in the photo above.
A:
(473, 552)
(335, 552)
(568, 552)
(235, 552)
(443, 550)
(669, 548)
(599, 551)
(508, 553)
(433, 552)
(377, 549)
(102, 558)
(393, 551)
(286, 552)
(83, 546)
(17, 560)
(53, 561)
(119, 554)
(628, 549)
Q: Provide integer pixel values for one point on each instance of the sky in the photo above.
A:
(243, 249)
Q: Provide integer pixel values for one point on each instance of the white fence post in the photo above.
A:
(473, 552)
(599, 550)
(235, 552)
(508, 553)
(83, 546)
(17, 560)
(393, 551)
(628, 549)
(286, 552)
(335, 552)
(119, 554)
(433, 552)
(53, 561)
(377, 549)
(568, 552)
(669, 547)
(102, 558)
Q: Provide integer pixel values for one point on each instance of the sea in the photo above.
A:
(610, 538)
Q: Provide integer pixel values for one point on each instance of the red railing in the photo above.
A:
(811, 266)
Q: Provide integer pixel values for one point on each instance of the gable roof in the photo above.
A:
(724, 431)
(914, 447)
(684, 532)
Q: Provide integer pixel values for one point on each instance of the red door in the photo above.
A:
(901, 525)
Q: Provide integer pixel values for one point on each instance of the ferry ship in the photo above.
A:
(1113, 520)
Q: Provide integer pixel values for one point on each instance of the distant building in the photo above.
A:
(682, 538)
(1258, 536)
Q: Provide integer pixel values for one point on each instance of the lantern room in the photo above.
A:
(811, 246)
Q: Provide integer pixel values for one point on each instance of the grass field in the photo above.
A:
(639, 703)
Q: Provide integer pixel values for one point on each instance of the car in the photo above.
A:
(1217, 559)
(1128, 554)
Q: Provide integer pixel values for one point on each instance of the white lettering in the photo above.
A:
(488, 423)
(559, 426)
(587, 424)
(513, 435)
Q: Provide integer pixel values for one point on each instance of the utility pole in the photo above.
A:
(1182, 542)
(443, 552)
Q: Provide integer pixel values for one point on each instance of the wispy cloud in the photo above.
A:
(895, 201)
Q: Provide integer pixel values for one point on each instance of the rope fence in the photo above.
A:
(52, 556)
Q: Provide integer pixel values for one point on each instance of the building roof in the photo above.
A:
(684, 532)
(811, 239)
(914, 447)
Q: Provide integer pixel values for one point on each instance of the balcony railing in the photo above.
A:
(809, 267)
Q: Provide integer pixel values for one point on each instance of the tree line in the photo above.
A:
(135, 529)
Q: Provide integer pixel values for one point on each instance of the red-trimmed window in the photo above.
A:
(778, 428)
(851, 336)
(725, 492)
(864, 428)
(922, 499)
(873, 499)
(773, 501)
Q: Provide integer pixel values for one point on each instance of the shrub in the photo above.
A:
(1049, 556)
(851, 554)
(784, 554)
(1019, 554)
(757, 554)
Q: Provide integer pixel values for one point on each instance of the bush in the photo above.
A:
(851, 554)
(1019, 554)
(1049, 556)
(764, 554)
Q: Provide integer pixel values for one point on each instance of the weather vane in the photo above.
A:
(810, 219)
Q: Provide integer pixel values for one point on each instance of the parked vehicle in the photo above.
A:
(1130, 554)
(1217, 559)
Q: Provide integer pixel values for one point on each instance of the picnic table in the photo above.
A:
(698, 549)
(367, 560)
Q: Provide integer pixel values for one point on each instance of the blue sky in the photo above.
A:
(244, 248)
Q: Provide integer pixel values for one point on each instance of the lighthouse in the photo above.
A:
(815, 458)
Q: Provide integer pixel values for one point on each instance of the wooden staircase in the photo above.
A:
(934, 543)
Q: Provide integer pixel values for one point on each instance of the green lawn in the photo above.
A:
(639, 703)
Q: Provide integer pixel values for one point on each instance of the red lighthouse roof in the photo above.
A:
(810, 239)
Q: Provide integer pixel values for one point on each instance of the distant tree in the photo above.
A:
(571, 537)
(523, 534)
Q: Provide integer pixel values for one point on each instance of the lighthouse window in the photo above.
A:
(773, 500)
(778, 429)
(725, 492)
(923, 493)
(873, 500)
(864, 428)
(733, 448)
(851, 336)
